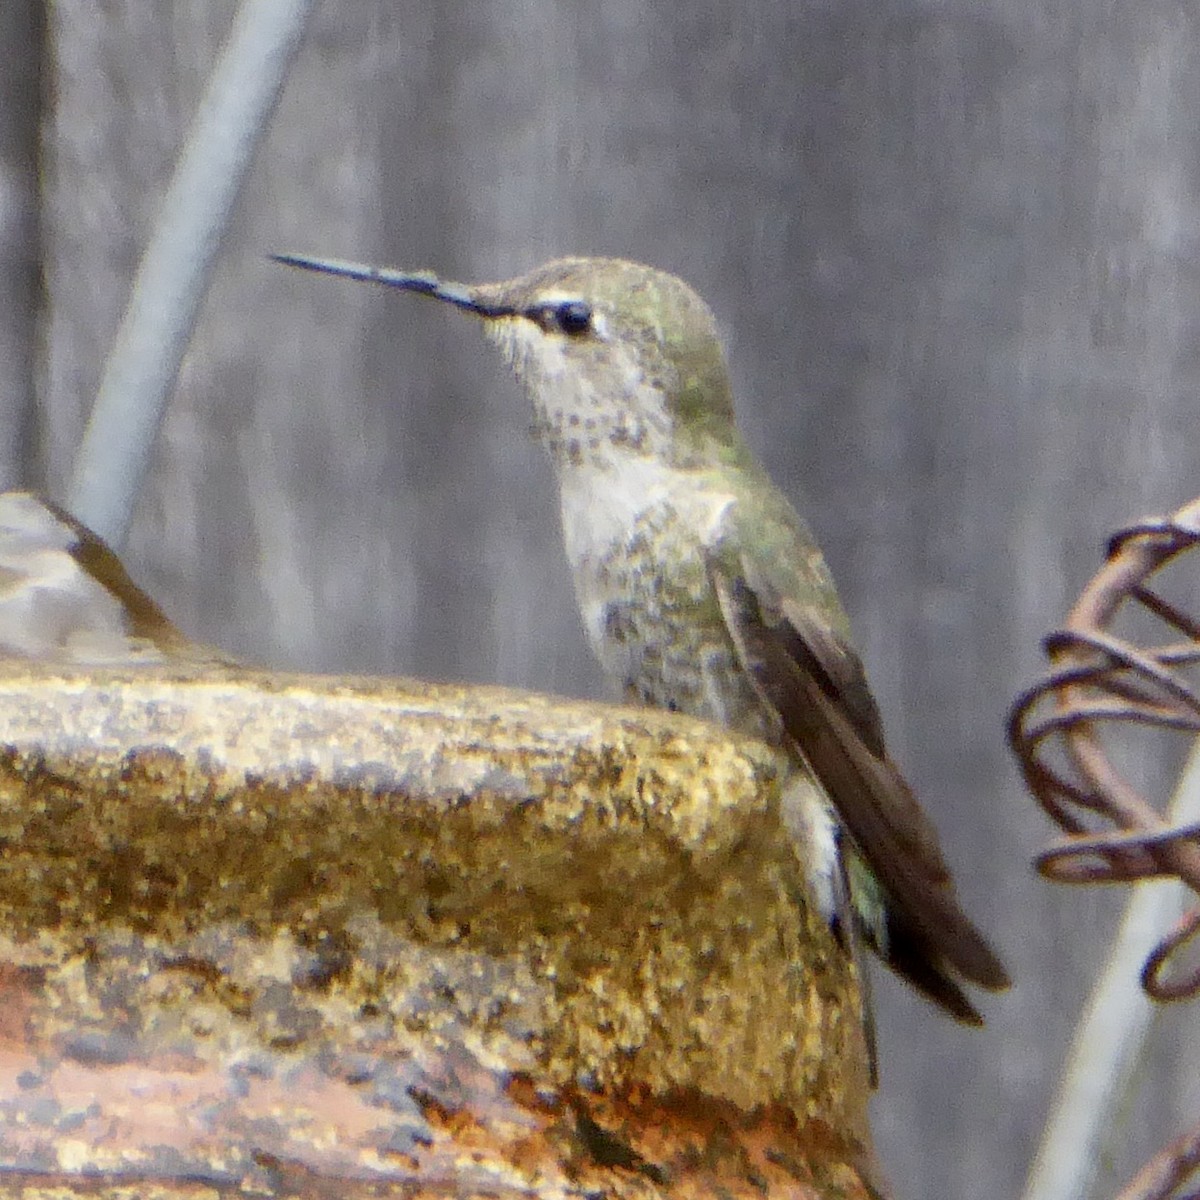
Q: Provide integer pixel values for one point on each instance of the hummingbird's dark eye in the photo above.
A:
(572, 317)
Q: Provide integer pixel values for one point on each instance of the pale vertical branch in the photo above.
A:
(22, 35)
(1110, 1039)
(174, 273)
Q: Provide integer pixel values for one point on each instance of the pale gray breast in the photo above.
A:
(652, 616)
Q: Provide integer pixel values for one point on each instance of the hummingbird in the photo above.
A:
(702, 591)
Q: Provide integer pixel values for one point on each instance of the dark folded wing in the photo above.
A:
(815, 681)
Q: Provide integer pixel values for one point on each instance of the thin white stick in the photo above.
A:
(173, 276)
(1110, 1038)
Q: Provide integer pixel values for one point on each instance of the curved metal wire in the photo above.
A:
(1098, 682)
(1168, 1171)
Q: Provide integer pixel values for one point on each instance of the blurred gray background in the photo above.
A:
(954, 248)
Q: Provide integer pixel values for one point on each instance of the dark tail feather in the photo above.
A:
(910, 955)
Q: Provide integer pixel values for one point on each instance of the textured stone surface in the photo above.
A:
(303, 935)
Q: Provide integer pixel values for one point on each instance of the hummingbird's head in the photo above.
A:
(619, 359)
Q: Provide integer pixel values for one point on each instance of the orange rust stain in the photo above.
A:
(522, 1090)
(685, 1144)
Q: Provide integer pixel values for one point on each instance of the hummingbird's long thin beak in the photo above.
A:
(425, 283)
